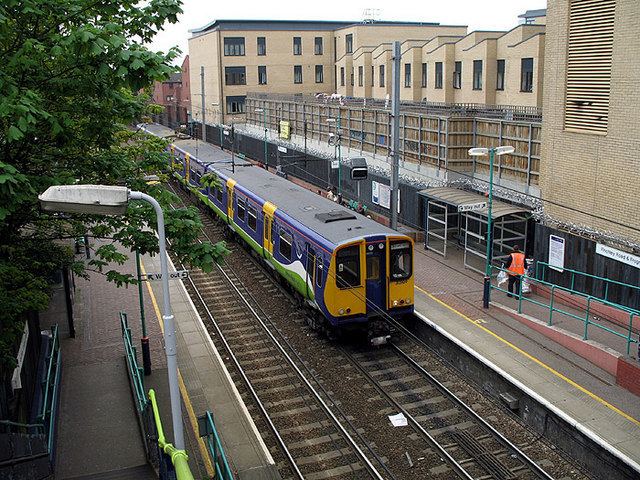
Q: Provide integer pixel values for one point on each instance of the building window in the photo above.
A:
(382, 75)
(297, 74)
(477, 74)
(262, 46)
(297, 45)
(342, 76)
(457, 75)
(373, 71)
(348, 40)
(438, 74)
(352, 75)
(319, 74)
(424, 75)
(234, 46)
(317, 46)
(500, 75)
(407, 74)
(262, 75)
(235, 76)
(235, 104)
(526, 75)
(360, 75)
(589, 60)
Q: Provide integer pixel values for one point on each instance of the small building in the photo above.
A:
(174, 95)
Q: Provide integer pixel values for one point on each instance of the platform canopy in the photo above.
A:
(455, 197)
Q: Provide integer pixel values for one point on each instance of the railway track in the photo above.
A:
(312, 439)
(362, 386)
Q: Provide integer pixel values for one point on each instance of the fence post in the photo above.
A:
(553, 289)
(629, 333)
(586, 320)
(606, 290)
(520, 293)
(573, 280)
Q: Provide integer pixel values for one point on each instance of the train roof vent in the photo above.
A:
(335, 216)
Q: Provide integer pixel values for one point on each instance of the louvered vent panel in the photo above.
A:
(589, 64)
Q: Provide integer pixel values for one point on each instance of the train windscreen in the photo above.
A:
(400, 260)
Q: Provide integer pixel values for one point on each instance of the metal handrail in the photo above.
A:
(136, 372)
(51, 386)
(590, 299)
(607, 281)
(214, 446)
(179, 458)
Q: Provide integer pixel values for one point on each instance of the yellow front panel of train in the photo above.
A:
(351, 299)
(400, 292)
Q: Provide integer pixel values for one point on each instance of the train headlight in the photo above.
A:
(341, 311)
(408, 300)
(395, 303)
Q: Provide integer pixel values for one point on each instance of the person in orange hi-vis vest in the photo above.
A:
(515, 269)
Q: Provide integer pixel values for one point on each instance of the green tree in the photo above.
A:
(71, 82)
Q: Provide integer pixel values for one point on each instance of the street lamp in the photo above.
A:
(264, 124)
(113, 200)
(338, 145)
(479, 152)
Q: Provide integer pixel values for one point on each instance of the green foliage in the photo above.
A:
(73, 77)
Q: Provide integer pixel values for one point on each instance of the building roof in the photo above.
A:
(458, 198)
(296, 25)
(175, 77)
(542, 12)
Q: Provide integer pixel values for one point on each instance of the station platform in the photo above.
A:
(449, 299)
(98, 435)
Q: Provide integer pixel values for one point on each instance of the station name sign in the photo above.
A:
(156, 277)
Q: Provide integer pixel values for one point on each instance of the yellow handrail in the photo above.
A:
(179, 458)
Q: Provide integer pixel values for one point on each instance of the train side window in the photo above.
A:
(400, 260)
(286, 240)
(241, 208)
(348, 267)
(219, 194)
(198, 177)
(319, 271)
(311, 256)
(192, 172)
(252, 219)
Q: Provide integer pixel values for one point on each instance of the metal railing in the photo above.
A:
(214, 447)
(542, 269)
(50, 389)
(135, 371)
(179, 458)
(588, 318)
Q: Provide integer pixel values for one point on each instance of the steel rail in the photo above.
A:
(372, 470)
(523, 457)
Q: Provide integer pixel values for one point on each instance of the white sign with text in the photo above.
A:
(556, 253)
(619, 255)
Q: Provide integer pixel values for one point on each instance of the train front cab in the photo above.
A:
(371, 280)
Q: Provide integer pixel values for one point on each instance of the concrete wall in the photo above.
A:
(594, 176)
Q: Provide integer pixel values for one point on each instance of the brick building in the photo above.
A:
(174, 95)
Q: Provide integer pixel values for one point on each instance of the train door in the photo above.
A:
(230, 185)
(311, 270)
(376, 277)
(267, 229)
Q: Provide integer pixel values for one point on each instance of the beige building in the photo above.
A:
(440, 63)
(590, 169)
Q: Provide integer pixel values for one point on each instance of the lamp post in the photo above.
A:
(476, 152)
(264, 124)
(338, 146)
(113, 200)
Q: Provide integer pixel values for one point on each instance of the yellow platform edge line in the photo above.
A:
(534, 359)
(204, 453)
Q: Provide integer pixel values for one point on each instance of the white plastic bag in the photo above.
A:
(502, 276)
(525, 285)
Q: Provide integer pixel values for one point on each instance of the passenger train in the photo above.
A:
(350, 271)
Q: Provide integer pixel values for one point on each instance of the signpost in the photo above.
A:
(472, 207)
(177, 275)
